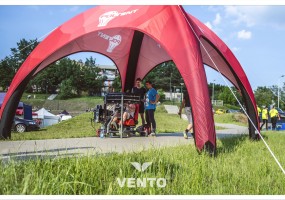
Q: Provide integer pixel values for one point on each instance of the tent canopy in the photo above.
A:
(136, 39)
(48, 118)
(43, 113)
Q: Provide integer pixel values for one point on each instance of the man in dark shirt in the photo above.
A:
(186, 104)
(139, 90)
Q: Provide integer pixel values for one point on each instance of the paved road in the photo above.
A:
(93, 145)
(171, 109)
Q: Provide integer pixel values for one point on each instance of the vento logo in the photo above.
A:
(105, 18)
(114, 41)
(141, 182)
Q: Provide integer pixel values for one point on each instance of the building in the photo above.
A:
(109, 71)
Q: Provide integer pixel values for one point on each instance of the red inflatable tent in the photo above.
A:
(137, 39)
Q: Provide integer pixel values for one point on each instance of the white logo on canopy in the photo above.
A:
(114, 41)
(105, 18)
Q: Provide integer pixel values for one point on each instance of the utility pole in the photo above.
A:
(278, 88)
(213, 91)
(170, 90)
(181, 91)
(174, 93)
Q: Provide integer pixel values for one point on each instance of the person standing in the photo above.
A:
(186, 104)
(264, 115)
(152, 98)
(141, 91)
(274, 115)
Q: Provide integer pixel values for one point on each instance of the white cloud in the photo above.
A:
(272, 16)
(213, 25)
(218, 19)
(243, 34)
(240, 15)
(235, 49)
(209, 25)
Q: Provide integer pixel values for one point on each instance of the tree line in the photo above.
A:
(67, 77)
(71, 78)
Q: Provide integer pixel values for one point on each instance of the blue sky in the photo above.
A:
(254, 33)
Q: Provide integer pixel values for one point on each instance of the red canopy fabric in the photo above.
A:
(136, 39)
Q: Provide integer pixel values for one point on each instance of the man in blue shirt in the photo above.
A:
(152, 98)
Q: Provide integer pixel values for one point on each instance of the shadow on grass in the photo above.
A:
(229, 144)
(41, 154)
(7, 159)
(46, 151)
(41, 130)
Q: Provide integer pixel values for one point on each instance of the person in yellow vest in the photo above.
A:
(258, 112)
(264, 116)
(274, 115)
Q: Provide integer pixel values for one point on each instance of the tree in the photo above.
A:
(23, 50)
(228, 97)
(66, 90)
(117, 84)
(10, 64)
(7, 72)
(264, 96)
(94, 82)
(163, 74)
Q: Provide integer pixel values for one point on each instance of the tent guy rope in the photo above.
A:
(269, 149)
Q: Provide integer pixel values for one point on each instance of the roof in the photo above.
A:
(110, 67)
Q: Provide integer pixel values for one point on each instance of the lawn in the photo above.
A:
(241, 167)
(74, 105)
(81, 126)
(230, 118)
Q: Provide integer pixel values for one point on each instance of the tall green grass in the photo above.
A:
(241, 167)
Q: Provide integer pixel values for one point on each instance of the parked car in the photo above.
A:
(23, 125)
(232, 111)
(220, 111)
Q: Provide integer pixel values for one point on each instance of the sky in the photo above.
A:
(254, 34)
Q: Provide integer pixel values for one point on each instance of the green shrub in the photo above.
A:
(162, 95)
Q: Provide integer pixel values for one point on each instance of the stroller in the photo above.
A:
(111, 116)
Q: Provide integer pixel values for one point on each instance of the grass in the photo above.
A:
(80, 126)
(230, 118)
(79, 104)
(241, 167)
